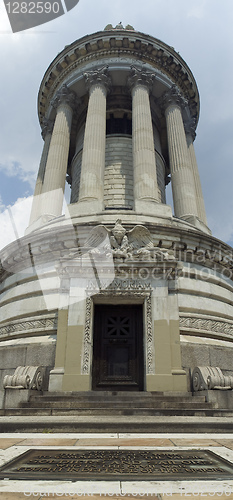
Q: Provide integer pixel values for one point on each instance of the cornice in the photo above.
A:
(117, 43)
(188, 246)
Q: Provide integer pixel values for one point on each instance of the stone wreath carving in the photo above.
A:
(124, 245)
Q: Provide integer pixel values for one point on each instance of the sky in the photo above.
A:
(200, 30)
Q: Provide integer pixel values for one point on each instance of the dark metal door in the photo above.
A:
(118, 348)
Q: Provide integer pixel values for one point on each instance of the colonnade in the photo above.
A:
(186, 187)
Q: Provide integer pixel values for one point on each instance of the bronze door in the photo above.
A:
(118, 348)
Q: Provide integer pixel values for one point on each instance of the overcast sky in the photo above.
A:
(200, 30)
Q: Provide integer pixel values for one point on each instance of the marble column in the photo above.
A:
(56, 166)
(91, 192)
(190, 136)
(146, 194)
(183, 188)
(47, 127)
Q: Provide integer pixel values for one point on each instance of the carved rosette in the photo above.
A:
(98, 77)
(46, 127)
(64, 95)
(173, 97)
(140, 77)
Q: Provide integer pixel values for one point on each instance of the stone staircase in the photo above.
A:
(115, 403)
(101, 411)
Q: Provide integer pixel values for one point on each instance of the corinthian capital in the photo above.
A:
(98, 76)
(65, 95)
(46, 127)
(173, 96)
(140, 77)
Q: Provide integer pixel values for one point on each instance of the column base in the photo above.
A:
(193, 219)
(56, 380)
(41, 221)
(174, 382)
(152, 208)
(85, 207)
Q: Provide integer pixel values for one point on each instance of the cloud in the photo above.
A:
(14, 220)
(14, 169)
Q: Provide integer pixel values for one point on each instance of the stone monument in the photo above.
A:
(116, 292)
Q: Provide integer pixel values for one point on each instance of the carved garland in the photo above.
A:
(128, 288)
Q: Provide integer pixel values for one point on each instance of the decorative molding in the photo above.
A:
(128, 288)
(140, 77)
(149, 338)
(158, 55)
(98, 77)
(126, 246)
(26, 326)
(207, 325)
(119, 26)
(85, 368)
(64, 95)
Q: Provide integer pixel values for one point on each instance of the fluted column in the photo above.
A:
(144, 163)
(91, 190)
(184, 196)
(56, 166)
(190, 136)
(47, 127)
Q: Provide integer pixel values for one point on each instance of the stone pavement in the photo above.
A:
(12, 445)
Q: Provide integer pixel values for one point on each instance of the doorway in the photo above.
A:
(118, 360)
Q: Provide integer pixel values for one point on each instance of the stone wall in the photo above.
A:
(197, 351)
(33, 351)
(118, 176)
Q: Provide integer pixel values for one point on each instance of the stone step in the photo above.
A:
(93, 395)
(112, 413)
(207, 410)
(110, 405)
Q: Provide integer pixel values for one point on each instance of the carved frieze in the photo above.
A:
(221, 328)
(20, 327)
(126, 246)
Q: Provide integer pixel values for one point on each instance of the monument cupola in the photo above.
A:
(118, 111)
